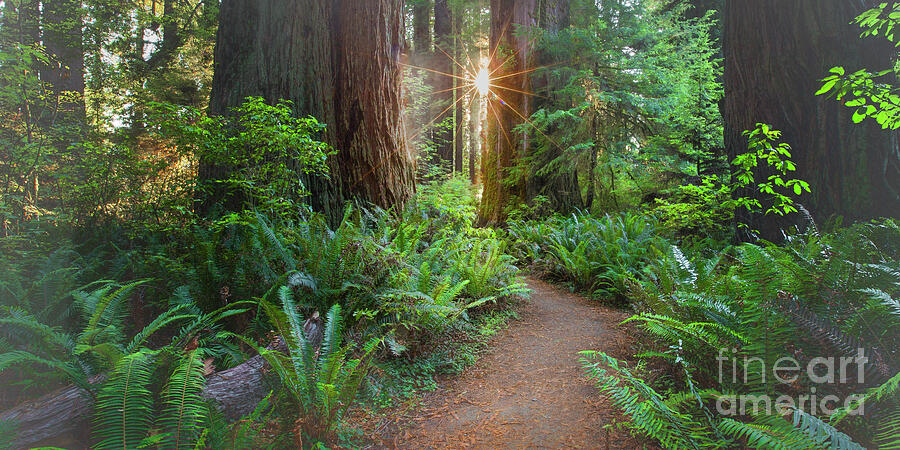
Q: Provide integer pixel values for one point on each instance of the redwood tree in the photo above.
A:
(443, 82)
(775, 54)
(337, 60)
(62, 25)
(506, 106)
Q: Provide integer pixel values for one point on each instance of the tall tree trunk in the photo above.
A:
(62, 23)
(421, 32)
(474, 136)
(560, 187)
(775, 53)
(506, 106)
(337, 60)
(459, 94)
(443, 82)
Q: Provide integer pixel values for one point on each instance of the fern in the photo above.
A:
(647, 410)
(124, 407)
(184, 409)
(769, 432)
(823, 433)
(8, 432)
(322, 385)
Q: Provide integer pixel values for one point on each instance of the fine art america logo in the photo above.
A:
(788, 371)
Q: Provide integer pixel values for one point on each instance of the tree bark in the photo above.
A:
(62, 37)
(459, 122)
(775, 53)
(506, 106)
(443, 83)
(337, 60)
(422, 31)
(474, 136)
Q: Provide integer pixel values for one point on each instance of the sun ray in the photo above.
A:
(522, 72)
(529, 44)
(432, 70)
(436, 117)
(464, 68)
(381, 161)
(529, 122)
(462, 86)
(500, 125)
(516, 90)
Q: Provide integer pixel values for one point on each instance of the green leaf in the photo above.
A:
(826, 87)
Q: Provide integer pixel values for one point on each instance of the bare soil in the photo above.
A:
(529, 390)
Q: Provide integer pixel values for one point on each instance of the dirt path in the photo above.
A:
(529, 391)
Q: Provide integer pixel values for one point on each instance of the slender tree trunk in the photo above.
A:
(506, 106)
(337, 60)
(474, 136)
(443, 82)
(137, 70)
(775, 53)
(422, 32)
(459, 96)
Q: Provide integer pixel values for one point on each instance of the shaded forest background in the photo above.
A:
(182, 181)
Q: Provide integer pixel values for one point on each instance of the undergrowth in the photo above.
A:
(204, 298)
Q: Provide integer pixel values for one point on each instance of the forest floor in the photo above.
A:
(529, 390)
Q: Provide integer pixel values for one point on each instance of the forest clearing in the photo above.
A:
(307, 224)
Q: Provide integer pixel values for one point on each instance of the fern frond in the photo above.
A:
(166, 318)
(823, 433)
(20, 357)
(646, 408)
(124, 409)
(184, 408)
(301, 353)
(768, 432)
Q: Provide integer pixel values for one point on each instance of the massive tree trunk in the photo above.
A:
(337, 60)
(506, 106)
(561, 186)
(775, 53)
(443, 82)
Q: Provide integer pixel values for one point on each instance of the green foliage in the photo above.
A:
(707, 208)
(322, 382)
(816, 295)
(702, 209)
(627, 85)
(598, 255)
(261, 148)
(647, 409)
(764, 146)
(126, 413)
(125, 402)
(871, 94)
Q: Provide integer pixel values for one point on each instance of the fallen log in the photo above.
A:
(62, 418)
